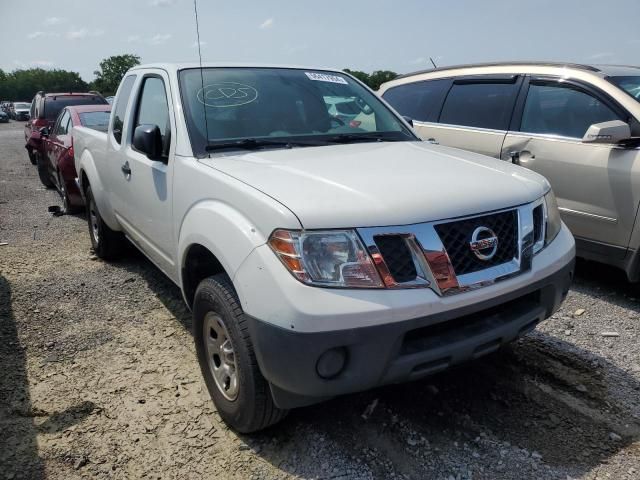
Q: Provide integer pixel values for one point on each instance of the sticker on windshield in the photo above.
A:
(324, 77)
(227, 94)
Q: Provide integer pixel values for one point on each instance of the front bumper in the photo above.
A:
(400, 351)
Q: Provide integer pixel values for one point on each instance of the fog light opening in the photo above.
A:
(332, 362)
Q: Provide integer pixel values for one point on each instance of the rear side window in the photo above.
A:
(62, 127)
(153, 109)
(563, 111)
(418, 100)
(481, 105)
(54, 105)
(121, 107)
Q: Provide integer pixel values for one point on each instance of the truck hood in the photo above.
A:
(381, 184)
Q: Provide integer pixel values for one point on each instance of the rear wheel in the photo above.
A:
(228, 363)
(43, 171)
(107, 243)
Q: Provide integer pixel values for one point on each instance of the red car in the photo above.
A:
(45, 108)
(56, 166)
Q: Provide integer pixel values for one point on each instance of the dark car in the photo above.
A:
(56, 166)
(4, 118)
(45, 108)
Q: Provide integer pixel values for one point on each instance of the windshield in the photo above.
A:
(22, 105)
(271, 107)
(630, 84)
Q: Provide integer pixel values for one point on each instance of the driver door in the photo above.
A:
(597, 187)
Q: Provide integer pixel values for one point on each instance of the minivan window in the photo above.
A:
(562, 110)
(418, 100)
(153, 109)
(117, 124)
(629, 83)
(481, 105)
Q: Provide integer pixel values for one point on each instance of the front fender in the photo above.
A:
(228, 234)
(86, 167)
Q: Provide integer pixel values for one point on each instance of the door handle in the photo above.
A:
(516, 156)
(126, 169)
(433, 141)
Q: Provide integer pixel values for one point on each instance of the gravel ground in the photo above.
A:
(99, 379)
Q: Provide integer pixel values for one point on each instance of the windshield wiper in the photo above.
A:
(364, 137)
(257, 143)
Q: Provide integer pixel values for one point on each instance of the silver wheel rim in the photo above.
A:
(221, 357)
(93, 219)
(63, 191)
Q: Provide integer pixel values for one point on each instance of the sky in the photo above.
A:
(367, 35)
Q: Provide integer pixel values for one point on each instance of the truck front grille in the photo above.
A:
(397, 256)
(456, 238)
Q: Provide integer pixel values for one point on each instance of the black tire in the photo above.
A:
(252, 409)
(67, 207)
(32, 157)
(43, 172)
(106, 243)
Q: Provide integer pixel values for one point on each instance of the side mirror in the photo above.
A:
(409, 120)
(147, 139)
(614, 131)
(44, 131)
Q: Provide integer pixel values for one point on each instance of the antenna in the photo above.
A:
(204, 100)
(432, 62)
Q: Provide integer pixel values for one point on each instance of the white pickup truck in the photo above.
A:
(320, 253)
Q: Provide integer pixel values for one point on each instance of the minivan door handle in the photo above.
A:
(517, 155)
(126, 169)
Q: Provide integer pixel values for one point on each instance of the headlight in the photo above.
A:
(554, 223)
(331, 258)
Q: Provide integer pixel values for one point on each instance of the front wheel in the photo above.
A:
(32, 157)
(43, 171)
(106, 243)
(67, 206)
(228, 363)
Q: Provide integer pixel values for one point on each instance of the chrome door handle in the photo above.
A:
(126, 169)
(515, 156)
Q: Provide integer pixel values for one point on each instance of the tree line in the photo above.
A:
(22, 84)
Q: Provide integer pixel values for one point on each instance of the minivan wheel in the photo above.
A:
(43, 171)
(228, 363)
(106, 243)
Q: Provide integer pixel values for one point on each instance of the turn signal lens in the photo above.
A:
(554, 223)
(333, 258)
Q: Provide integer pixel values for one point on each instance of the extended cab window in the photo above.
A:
(153, 109)
(562, 110)
(481, 105)
(419, 100)
(121, 107)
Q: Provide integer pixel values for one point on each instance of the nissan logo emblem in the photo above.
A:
(484, 243)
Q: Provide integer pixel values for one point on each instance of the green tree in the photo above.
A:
(111, 71)
(22, 85)
(375, 79)
(362, 76)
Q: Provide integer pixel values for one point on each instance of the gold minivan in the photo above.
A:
(578, 125)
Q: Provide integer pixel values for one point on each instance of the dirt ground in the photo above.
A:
(98, 379)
